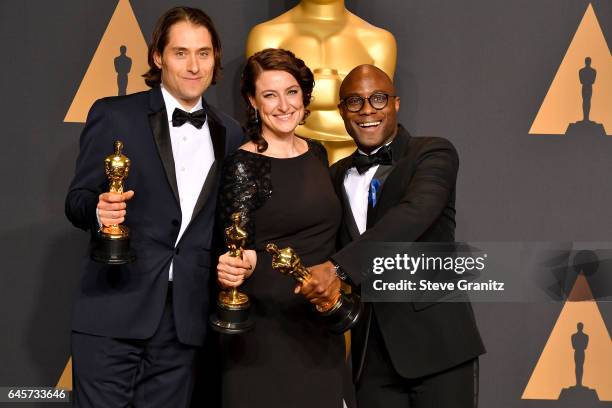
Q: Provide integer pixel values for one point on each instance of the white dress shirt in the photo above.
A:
(193, 156)
(357, 187)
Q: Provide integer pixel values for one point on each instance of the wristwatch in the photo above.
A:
(339, 272)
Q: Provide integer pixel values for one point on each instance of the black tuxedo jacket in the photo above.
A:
(127, 301)
(416, 203)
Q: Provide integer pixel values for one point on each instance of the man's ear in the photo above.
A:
(397, 103)
(157, 59)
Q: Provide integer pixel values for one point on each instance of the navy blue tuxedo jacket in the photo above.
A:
(127, 301)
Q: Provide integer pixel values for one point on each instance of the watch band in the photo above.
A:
(339, 272)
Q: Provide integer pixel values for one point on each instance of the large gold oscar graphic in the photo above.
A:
(580, 96)
(233, 307)
(332, 41)
(341, 313)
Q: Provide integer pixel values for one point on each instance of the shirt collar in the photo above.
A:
(377, 149)
(171, 103)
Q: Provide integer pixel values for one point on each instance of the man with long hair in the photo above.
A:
(137, 327)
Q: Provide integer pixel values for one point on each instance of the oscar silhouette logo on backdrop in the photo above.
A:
(574, 366)
(579, 99)
(117, 64)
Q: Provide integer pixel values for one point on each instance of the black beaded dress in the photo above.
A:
(289, 359)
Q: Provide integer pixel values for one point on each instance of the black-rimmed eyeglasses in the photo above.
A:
(377, 100)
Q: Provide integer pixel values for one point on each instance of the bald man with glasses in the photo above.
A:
(398, 188)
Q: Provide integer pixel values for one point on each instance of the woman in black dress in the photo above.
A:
(281, 185)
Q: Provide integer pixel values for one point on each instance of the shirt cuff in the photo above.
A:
(98, 219)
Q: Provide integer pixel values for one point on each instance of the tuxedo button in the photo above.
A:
(175, 223)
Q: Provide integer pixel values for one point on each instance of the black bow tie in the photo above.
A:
(363, 162)
(197, 118)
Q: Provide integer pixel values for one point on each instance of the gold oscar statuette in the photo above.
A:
(332, 41)
(112, 244)
(341, 313)
(232, 315)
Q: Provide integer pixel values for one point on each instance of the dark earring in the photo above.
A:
(256, 116)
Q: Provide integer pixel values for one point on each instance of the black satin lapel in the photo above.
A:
(207, 188)
(343, 167)
(351, 224)
(338, 181)
(381, 174)
(371, 216)
(161, 134)
(217, 134)
(400, 148)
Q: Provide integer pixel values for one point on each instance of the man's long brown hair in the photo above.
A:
(159, 39)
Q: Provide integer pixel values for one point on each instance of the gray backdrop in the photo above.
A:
(473, 71)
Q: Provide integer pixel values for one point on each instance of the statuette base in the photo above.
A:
(344, 314)
(232, 318)
(112, 251)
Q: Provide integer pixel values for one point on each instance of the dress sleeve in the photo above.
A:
(245, 186)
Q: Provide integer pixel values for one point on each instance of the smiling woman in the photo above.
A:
(277, 88)
(278, 100)
(281, 185)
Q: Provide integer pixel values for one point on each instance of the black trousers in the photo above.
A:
(118, 373)
(381, 386)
